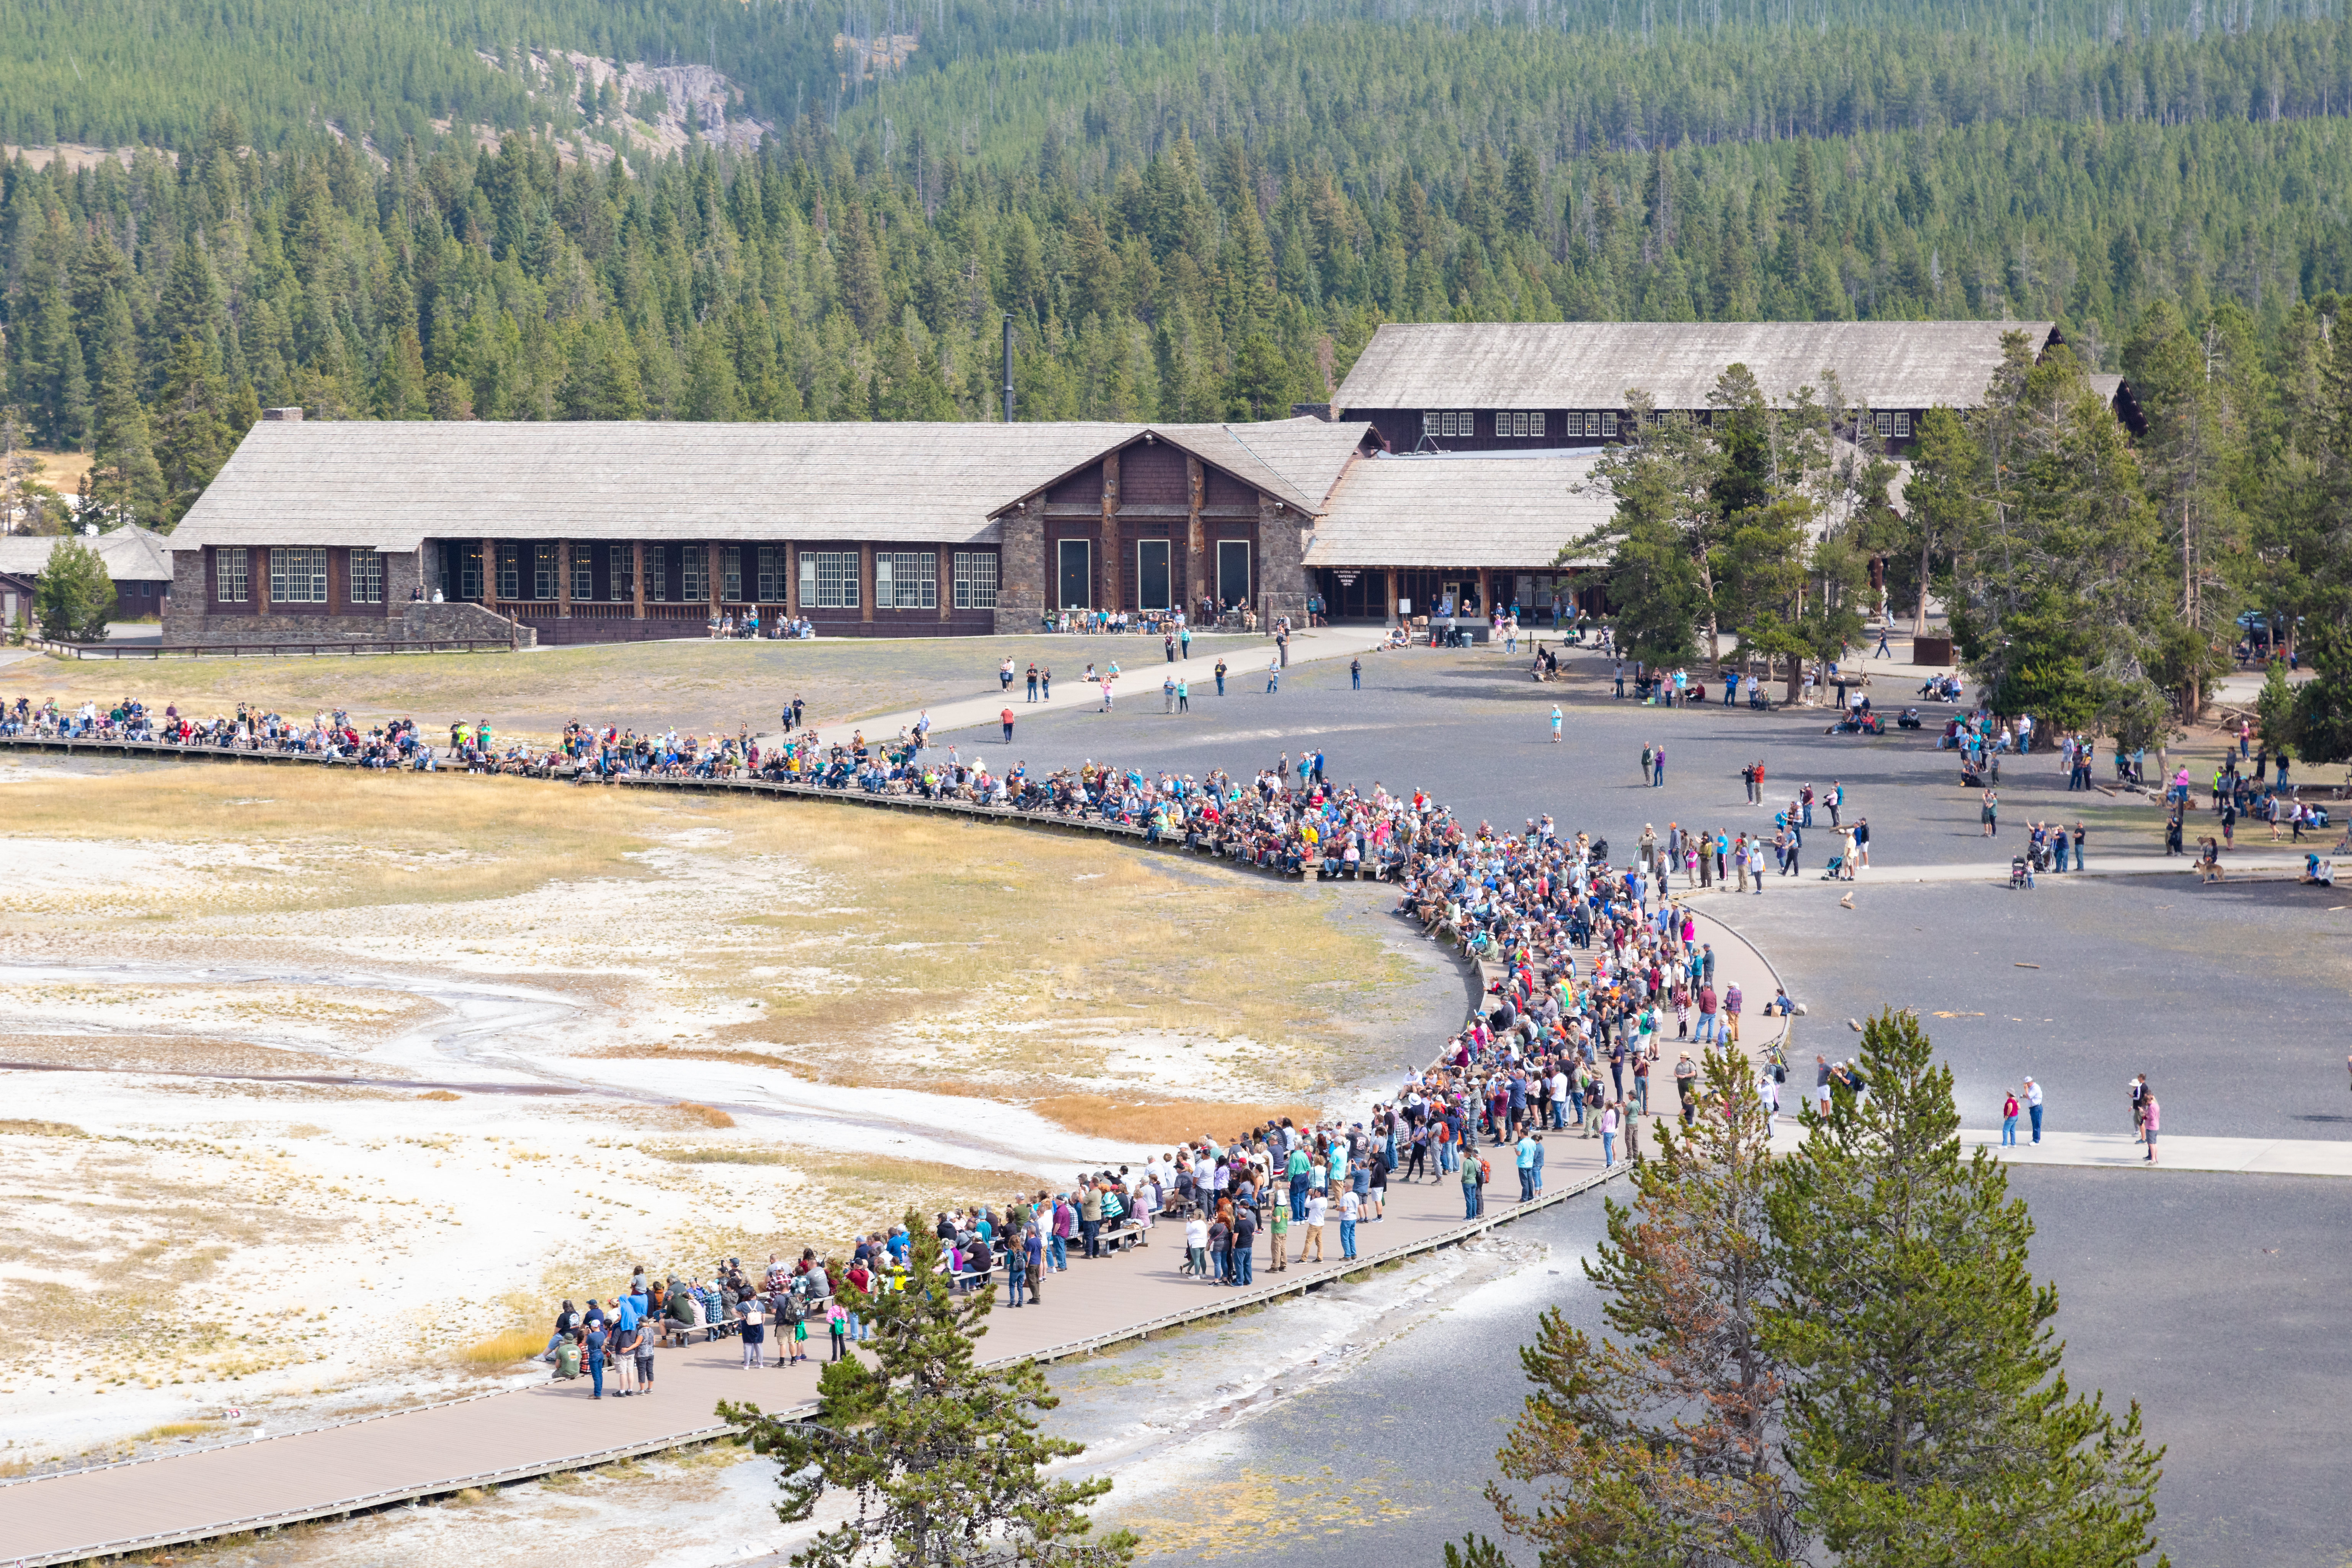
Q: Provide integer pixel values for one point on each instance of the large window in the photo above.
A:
(543, 571)
(367, 577)
(621, 572)
(657, 572)
(231, 582)
(583, 571)
(775, 580)
(1529, 422)
(1450, 422)
(298, 574)
(694, 574)
(730, 574)
(829, 579)
(906, 580)
(510, 571)
(1895, 426)
(975, 580)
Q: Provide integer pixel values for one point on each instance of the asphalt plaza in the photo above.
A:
(2227, 997)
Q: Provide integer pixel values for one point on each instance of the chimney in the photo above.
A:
(1310, 411)
(288, 415)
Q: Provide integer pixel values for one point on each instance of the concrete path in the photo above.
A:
(2275, 1156)
(2247, 862)
(1142, 664)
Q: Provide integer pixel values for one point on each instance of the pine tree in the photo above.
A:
(1929, 1417)
(195, 428)
(75, 595)
(1662, 1445)
(944, 1454)
(125, 484)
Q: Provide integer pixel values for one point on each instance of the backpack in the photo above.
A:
(1485, 1172)
(795, 1308)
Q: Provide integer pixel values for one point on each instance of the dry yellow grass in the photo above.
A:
(1165, 1122)
(718, 1156)
(391, 838)
(42, 1129)
(438, 1094)
(709, 1116)
(171, 1429)
(503, 1350)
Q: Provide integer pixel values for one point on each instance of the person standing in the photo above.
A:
(1525, 1154)
(1007, 719)
(1657, 767)
(2138, 1090)
(1351, 1209)
(1609, 1134)
(1032, 680)
(752, 1330)
(1555, 724)
(2033, 1107)
(2151, 1124)
(1318, 1206)
(1989, 814)
(1184, 697)
(1272, 674)
(2009, 1119)
(1356, 674)
(593, 1346)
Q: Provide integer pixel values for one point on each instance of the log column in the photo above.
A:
(1196, 480)
(710, 578)
(947, 583)
(490, 572)
(1390, 615)
(866, 582)
(638, 577)
(563, 579)
(1113, 579)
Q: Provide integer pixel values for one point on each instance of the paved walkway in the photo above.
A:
(2267, 862)
(2275, 1156)
(1143, 664)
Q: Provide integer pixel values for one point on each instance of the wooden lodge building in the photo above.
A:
(1451, 470)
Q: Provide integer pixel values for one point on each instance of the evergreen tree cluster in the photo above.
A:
(1838, 1353)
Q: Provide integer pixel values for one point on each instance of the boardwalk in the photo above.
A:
(327, 1472)
(508, 1436)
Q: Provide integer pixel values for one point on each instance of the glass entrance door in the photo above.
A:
(1076, 573)
(1233, 573)
(1154, 580)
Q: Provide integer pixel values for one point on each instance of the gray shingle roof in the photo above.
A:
(131, 554)
(393, 485)
(1592, 364)
(1308, 452)
(1504, 511)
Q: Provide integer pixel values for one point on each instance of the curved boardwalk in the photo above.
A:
(329, 1471)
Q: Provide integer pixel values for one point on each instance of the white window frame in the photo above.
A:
(1903, 425)
(546, 572)
(694, 575)
(658, 573)
(510, 578)
(232, 574)
(1609, 422)
(906, 580)
(775, 578)
(1885, 420)
(829, 579)
(620, 571)
(730, 574)
(583, 572)
(976, 579)
(366, 571)
(298, 574)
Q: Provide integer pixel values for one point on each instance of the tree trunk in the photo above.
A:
(1919, 619)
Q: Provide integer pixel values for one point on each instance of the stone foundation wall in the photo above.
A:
(417, 623)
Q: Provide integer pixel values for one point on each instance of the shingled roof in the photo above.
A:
(395, 484)
(1592, 364)
(1510, 510)
(131, 554)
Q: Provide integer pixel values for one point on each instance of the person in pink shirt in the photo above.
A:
(2150, 1127)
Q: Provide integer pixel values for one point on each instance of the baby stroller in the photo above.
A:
(1835, 869)
(2021, 875)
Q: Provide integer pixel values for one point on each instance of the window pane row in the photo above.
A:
(906, 580)
(829, 579)
(298, 574)
(975, 581)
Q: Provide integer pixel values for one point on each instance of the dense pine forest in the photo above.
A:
(1188, 210)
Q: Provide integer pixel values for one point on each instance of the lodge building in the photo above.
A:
(1453, 472)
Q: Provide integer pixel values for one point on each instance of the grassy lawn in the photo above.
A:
(692, 684)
